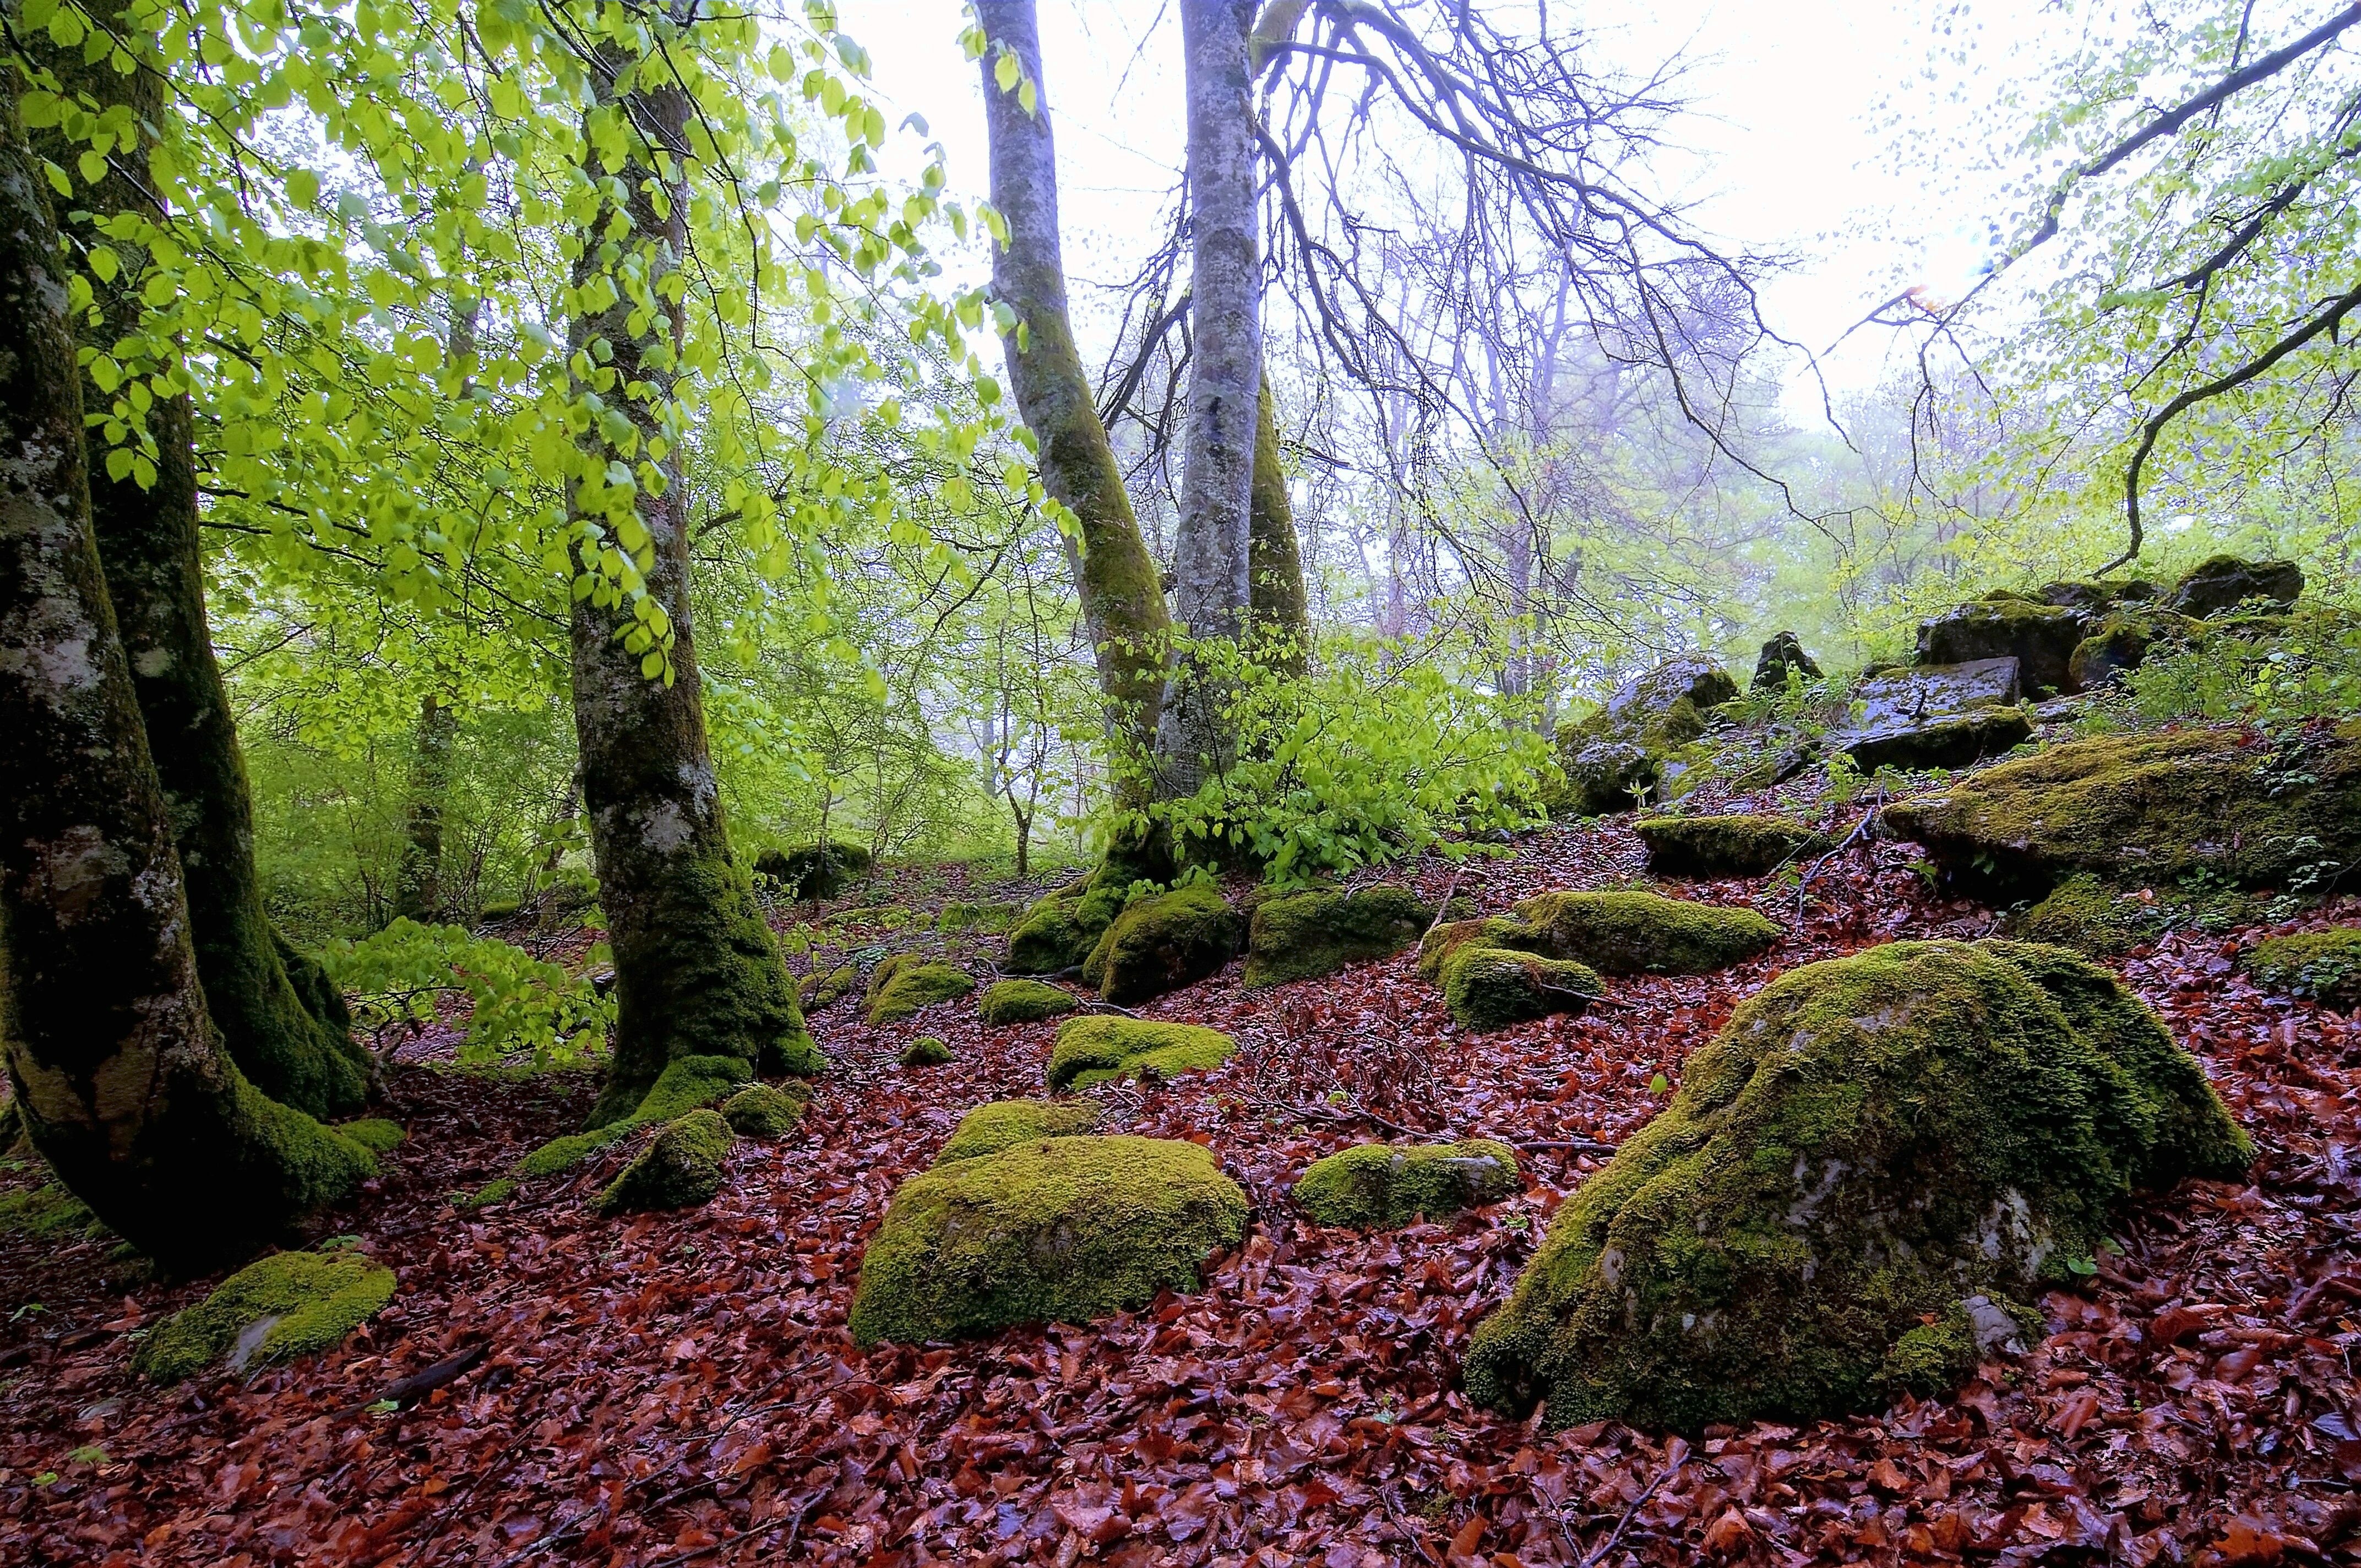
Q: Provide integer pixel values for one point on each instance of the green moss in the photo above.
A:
(1490, 988)
(759, 1110)
(2093, 916)
(279, 1307)
(1935, 1358)
(49, 1211)
(1056, 1230)
(927, 1050)
(820, 988)
(682, 1168)
(1304, 935)
(988, 917)
(899, 990)
(1724, 846)
(1491, 931)
(372, 1133)
(1024, 1002)
(683, 1086)
(1644, 933)
(1868, 1141)
(1060, 932)
(2041, 639)
(2323, 965)
(988, 1129)
(1379, 1187)
(1102, 1050)
(1163, 942)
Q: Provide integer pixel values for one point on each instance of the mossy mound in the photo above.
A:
(1379, 1185)
(683, 1167)
(1163, 942)
(2225, 582)
(1870, 1141)
(1620, 751)
(51, 1211)
(990, 919)
(1490, 931)
(1645, 932)
(1024, 1002)
(988, 1129)
(1491, 988)
(1101, 1049)
(814, 871)
(1054, 1229)
(1724, 846)
(2323, 965)
(2153, 808)
(273, 1309)
(927, 1050)
(822, 987)
(904, 984)
(2094, 917)
(683, 1086)
(374, 1133)
(1058, 933)
(1303, 936)
(759, 1110)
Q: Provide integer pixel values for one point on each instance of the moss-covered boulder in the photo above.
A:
(1058, 932)
(759, 1110)
(988, 1129)
(1943, 716)
(2225, 582)
(1054, 1231)
(1303, 936)
(2041, 638)
(1602, 775)
(1103, 1049)
(2323, 965)
(1724, 846)
(1163, 942)
(2147, 808)
(814, 871)
(1380, 1186)
(1645, 932)
(683, 1167)
(1783, 653)
(927, 1050)
(276, 1308)
(823, 987)
(1620, 751)
(2095, 598)
(1861, 1182)
(1024, 1002)
(2094, 917)
(1491, 988)
(1488, 931)
(903, 984)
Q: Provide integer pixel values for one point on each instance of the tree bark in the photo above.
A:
(697, 970)
(122, 1080)
(1212, 577)
(256, 984)
(1114, 576)
(418, 893)
(1282, 610)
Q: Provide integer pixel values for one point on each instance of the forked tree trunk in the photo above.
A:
(1282, 610)
(256, 984)
(1114, 576)
(697, 970)
(117, 1067)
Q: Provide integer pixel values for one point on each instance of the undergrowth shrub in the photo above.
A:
(519, 1004)
(2308, 670)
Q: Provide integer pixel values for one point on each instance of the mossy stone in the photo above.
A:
(904, 984)
(1380, 1186)
(1024, 1002)
(275, 1309)
(1868, 1142)
(1490, 988)
(2225, 582)
(811, 872)
(822, 987)
(1163, 942)
(1103, 1049)
(1488, 931)
(1645, 932)
(988, 1129)
(991, 919)
(760, 1111)
(1055, 1229)
(2323, 965)
(683, 1167)
(1059, 931)
(1724, 846)
(1304, 935)
(927, 1050)
(2095, 918)
(2041, 638)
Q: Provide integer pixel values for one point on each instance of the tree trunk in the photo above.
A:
(1114, 576)
(147, 545)
(1211, 580)
(1282, 612)
(697, 970)
(418, 893)
(120, 1075)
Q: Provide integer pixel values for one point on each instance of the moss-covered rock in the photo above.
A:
(991, 919)
(988, 1129)
(1620, 751)
(904, 984)
(1163, 942)
(1059, 932)
(2095, 598)
(1943, 716)
(1783, 653)
(275, 1309)
(2226, 582)
(1724, 846)
(683, 1167)
(2041, 638)
(2094, 917)
(1490, 988)
(1054, 1229)
(2323, 965)
(759, 1110)
(1024, 1002)
(822, 987)
(1303, 936)
(927, 1050)
(1870, 1142)
(2146, 808)
(814, 871)
(1602, 775)
(1379, 1185)
(1103, 1049)
(1488, 931)
(1645, 932)
(374, 1133)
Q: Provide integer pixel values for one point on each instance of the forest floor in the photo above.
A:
(681, 1389)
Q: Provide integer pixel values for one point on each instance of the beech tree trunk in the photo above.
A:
(120, 1075)
(418, 893)
(147, 545)
(1212, 576)
(697, 970)
(1282, 610)
(1114, 576)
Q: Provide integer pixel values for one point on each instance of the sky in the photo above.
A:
(1789, 151)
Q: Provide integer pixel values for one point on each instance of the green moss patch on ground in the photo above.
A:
(1024, 1002)
(1724, 846)
(988, 1129)
(927, 1050)
(904, 984)
(991, 919)
(1303, 936)
(49, 1211)
(1103, 1049)
(760, 1111)
(374, 1133)
(683, 1167)
(1380, 1186)
(2323, 965)
(276, 1308)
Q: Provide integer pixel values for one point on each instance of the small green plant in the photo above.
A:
(1845, 780)
(517, 1004)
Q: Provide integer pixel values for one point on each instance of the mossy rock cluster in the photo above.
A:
(1050, 1230)
(1724, 846)
(1058, 932)
(903, 984)
(276, 1308)
(1024, 1002)
(927, 1050)
(1304, 935)
(1163, 942)
(760, 1111)
(684, 1166)
(988, 1129)
(1381, 1186)
(812, 872)
(1861, 1182)
(1490, 988)
(1103, 1049)
(2324, 966)
(2041, 638)
(1622, 750)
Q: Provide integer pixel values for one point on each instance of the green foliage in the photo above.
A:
(2308, 667)
(988, 1129)
(1101, 1048)
(1379, 1187)
(309, 1301)
(2323, 965)
(518, 1006)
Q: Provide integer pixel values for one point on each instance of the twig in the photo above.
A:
(1569, 1146)
(1444, 908)
(1859, 829)
(420, 1384)
(1599, 1555)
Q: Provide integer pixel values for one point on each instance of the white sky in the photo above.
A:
(1791, 146)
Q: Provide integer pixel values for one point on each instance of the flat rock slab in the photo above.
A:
(1937, 716)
